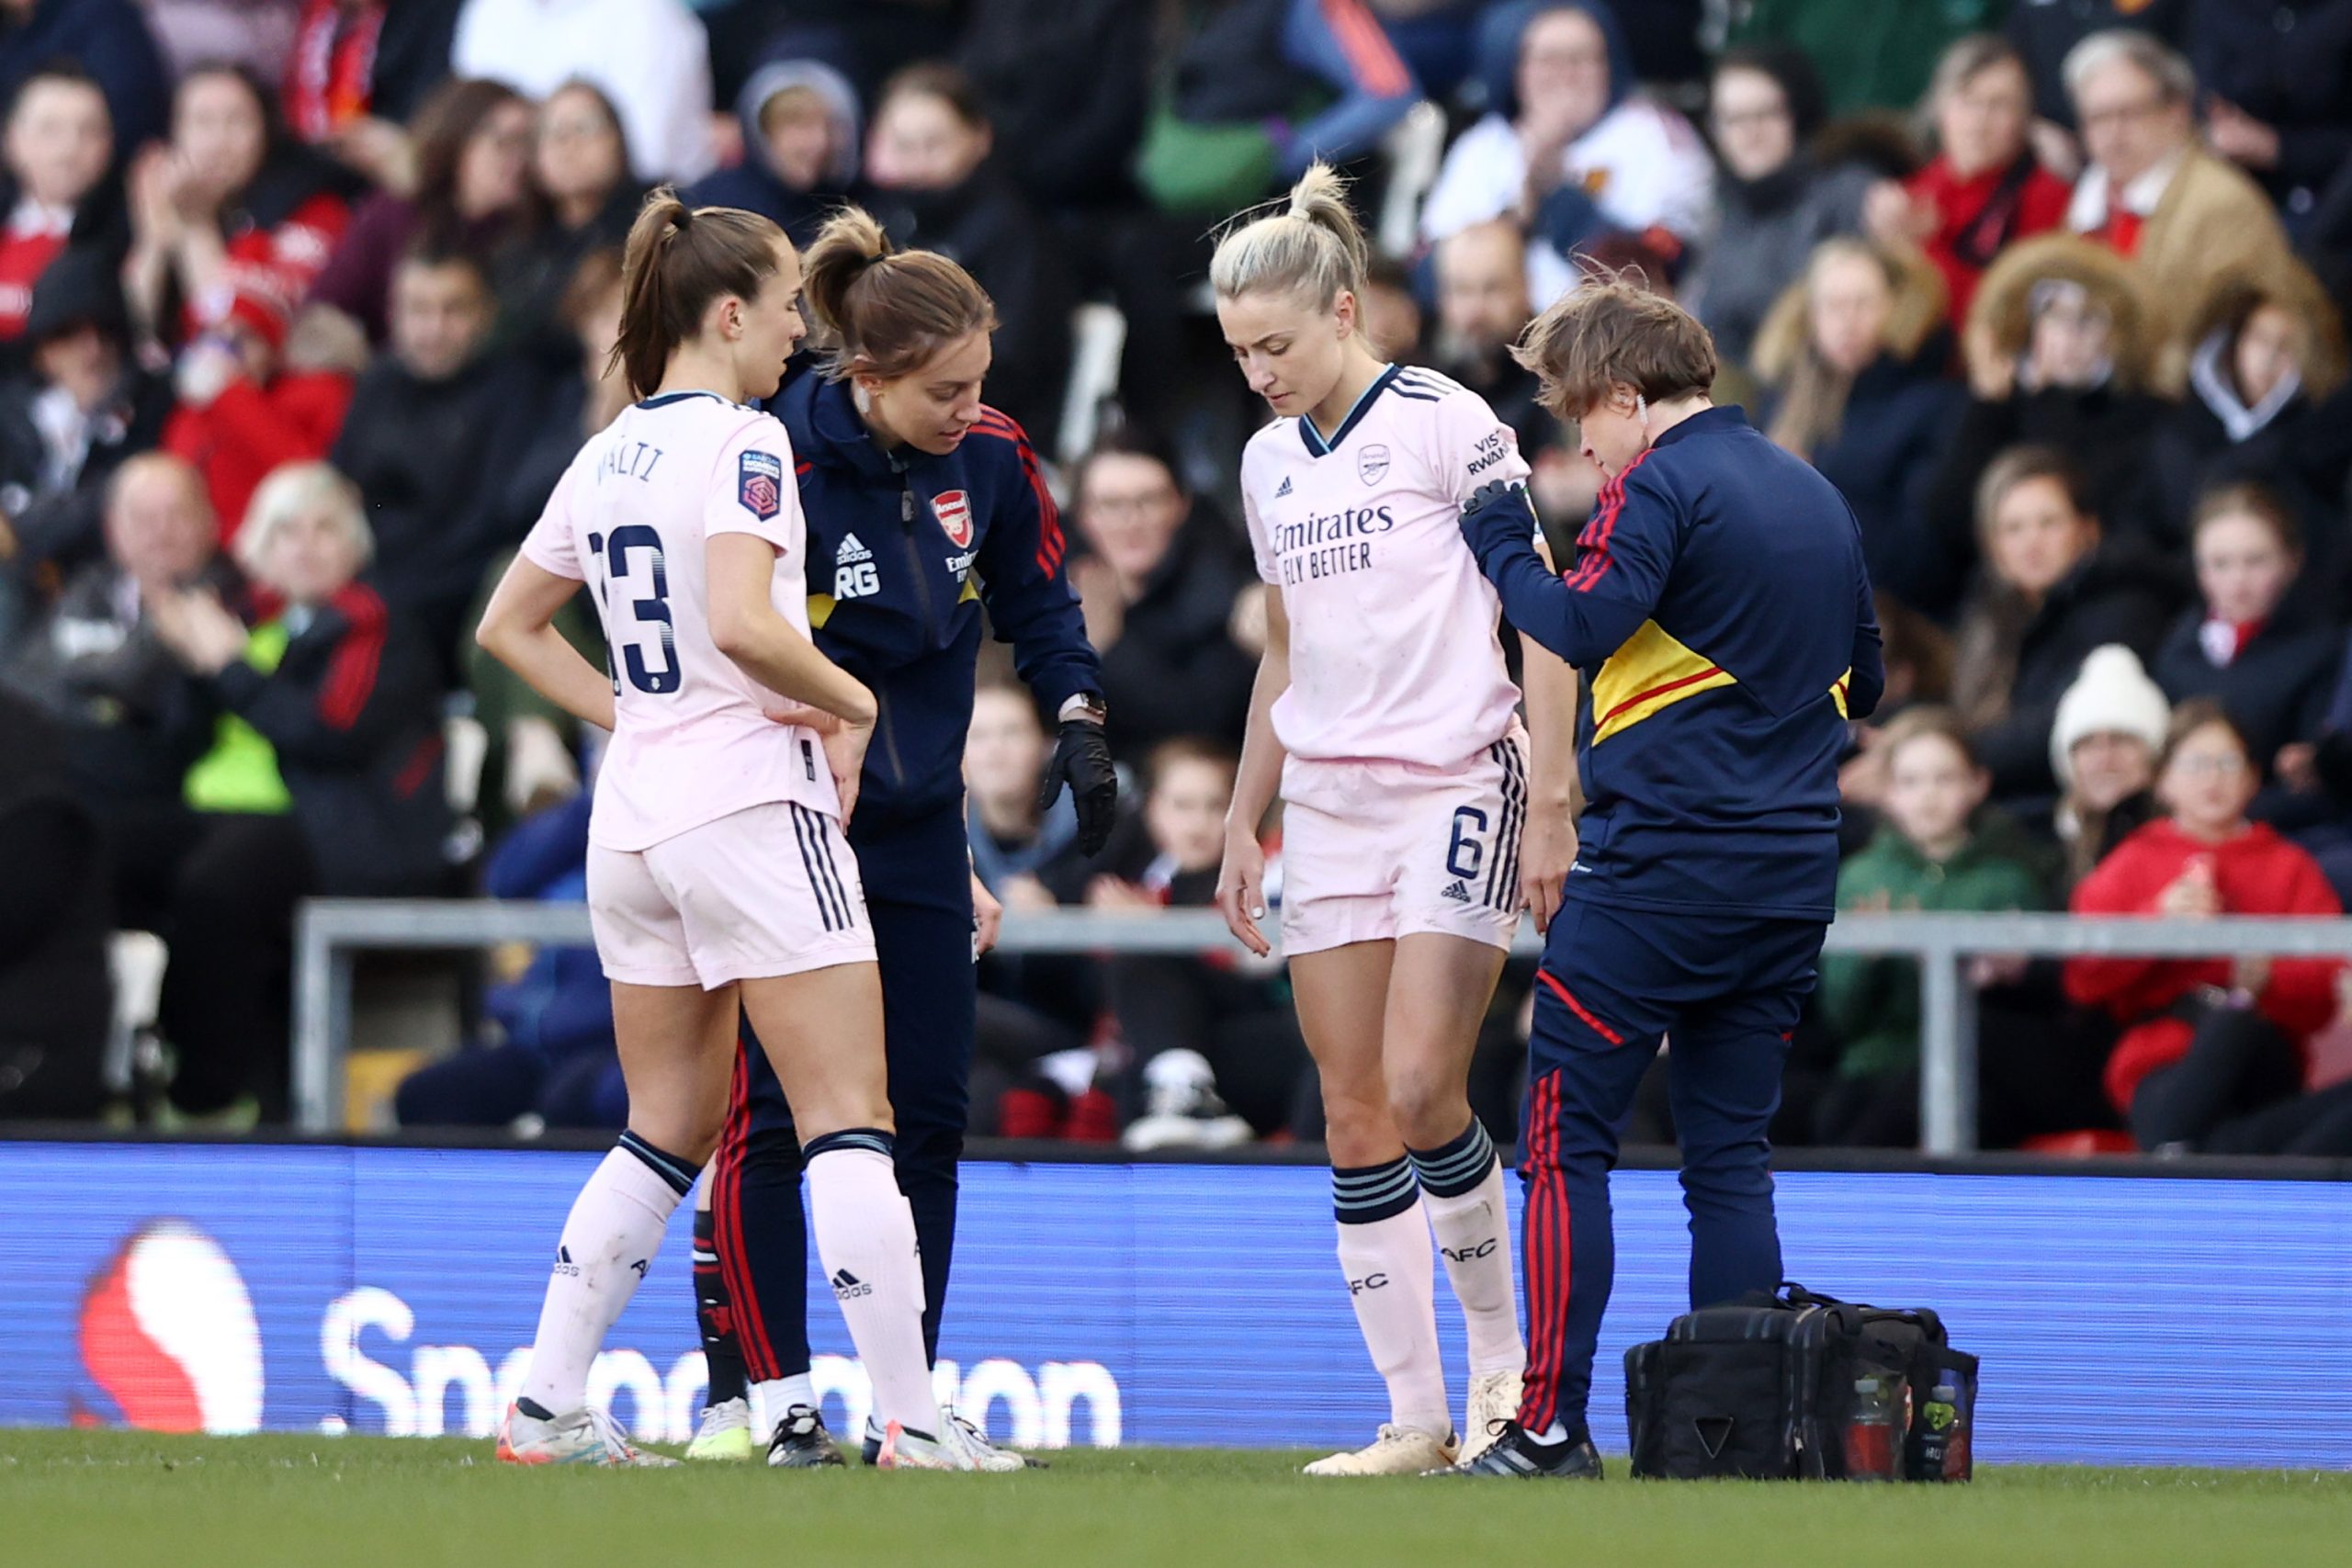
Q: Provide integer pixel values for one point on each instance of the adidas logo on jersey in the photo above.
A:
(854, 574)
(1455, 891)
(1283, 489)
(848, 1286)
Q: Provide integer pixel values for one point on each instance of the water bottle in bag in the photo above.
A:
(1875, 1425)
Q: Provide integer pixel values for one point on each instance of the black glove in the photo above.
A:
(1083, 759)
(1497, 514)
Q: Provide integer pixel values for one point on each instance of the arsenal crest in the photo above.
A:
(954, 510)
(1370, 463)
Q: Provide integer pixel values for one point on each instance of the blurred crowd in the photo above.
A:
(305, 304)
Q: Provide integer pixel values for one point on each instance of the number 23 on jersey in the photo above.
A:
(632, 558)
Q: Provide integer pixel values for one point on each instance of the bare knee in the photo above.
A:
(1428, 1104)
(690, 1137)
(1356, 1126)
(839, 1114)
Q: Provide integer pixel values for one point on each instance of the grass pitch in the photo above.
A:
(132, 1498)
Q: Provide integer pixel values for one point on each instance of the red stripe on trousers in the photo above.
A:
(726, 1230)
(1531, 1246)
(1546, 1282)
(1555, 1187)
(1578, 1007)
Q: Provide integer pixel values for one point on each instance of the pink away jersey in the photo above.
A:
(1394, 654)
(630, 518)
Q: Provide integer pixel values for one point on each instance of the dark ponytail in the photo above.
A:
(677, 261)
(885, 311)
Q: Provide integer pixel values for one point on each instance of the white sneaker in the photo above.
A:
(1494, 1400)
(1146, 1134)
(1182, 1109)
(992, 1457)
(959, 1445)
(584, 1436)
(1398, 1451)
(724, 1435)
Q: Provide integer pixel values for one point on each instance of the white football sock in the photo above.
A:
(776, 1397)
(609, 1245)
(1392, 1284)
(865, 1238)
(1462, 1190)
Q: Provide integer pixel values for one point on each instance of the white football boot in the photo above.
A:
(959, 1445)
(1398, 1451)
(724, 1435)
(584, 1436)
(1494, 1399)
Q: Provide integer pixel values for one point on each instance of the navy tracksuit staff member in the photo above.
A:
(1721, 613)
(905, 549)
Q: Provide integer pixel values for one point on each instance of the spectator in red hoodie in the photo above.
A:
(230, 207)
(2212, 1055)
(243, 411)
(53, 191)
(1984, 188)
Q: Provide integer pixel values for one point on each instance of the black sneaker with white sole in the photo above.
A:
(801, 1442)
(1516, 1456)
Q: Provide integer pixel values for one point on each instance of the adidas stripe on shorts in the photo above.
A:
(1373, 850)
(763, 892)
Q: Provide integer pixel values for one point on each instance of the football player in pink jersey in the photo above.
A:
(717, 872)
(1419, 817)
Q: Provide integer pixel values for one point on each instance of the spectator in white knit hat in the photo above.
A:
(2103, 747)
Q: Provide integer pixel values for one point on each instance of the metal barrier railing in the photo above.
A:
(330, 931)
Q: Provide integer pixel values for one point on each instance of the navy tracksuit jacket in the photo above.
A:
(1720, 612)
(905, 549)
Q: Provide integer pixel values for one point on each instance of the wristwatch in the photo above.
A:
(1086, 706)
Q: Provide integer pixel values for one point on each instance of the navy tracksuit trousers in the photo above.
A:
(1614, 981)
(919, 894)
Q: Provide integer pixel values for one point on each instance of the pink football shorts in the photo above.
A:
(1374, 851)
(767, 891)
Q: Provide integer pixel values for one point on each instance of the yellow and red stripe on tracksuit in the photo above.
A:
(1720, 611)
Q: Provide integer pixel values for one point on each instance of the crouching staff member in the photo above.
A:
(925, 506)
(1720, 613)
